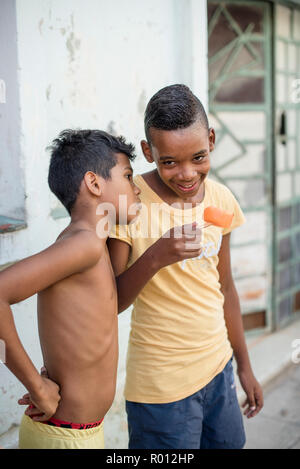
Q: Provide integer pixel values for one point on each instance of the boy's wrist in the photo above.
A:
(153, 262)
(35, 385)
(243, 363)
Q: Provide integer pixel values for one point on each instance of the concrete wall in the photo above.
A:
(11, 181)
(91, 64)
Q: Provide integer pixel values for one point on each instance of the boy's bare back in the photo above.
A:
(78, 332)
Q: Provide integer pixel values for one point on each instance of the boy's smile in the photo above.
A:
(182, 159)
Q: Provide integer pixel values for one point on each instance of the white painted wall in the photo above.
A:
(11, 180)
(91, 64)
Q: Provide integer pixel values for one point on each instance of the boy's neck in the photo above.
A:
(85, 216)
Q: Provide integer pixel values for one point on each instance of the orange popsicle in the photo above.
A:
(218, 217)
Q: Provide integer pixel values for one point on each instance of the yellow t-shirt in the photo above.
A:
(178, 340)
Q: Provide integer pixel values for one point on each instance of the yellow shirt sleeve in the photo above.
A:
(232, 205)
(122, 233)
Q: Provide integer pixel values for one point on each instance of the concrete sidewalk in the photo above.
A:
(277, 426)
(271, 354)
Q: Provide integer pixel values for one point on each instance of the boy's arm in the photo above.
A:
(165, 251)
(24, 279)
(234, 324)
(131, 281)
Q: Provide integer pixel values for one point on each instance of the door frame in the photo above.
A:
(267, 108)
(277, 234)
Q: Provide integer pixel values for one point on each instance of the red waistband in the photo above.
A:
(74, 426)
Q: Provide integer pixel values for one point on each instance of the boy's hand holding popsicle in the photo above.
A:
(184, 242)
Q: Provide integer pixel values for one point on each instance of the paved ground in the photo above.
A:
(277, 426)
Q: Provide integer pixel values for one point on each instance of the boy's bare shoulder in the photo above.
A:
(78, 234)
(73, 252)
(84, 243)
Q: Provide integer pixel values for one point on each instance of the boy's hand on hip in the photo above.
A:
(254, 401)
(177, 244)
(42, 404)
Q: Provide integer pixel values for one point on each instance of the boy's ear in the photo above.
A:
(146, 149)
(211, 138)
(93, 183)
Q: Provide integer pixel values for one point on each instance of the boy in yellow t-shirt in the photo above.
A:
(186, 320)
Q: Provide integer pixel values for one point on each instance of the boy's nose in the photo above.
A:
(137, 190)
(187, 174)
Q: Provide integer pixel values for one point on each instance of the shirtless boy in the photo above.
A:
(77, 300)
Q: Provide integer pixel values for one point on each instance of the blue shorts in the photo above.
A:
(210, 418)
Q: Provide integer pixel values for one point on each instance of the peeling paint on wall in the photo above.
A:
(48, 92)
(252, 294)
(41, 22)
(111, 128)
(142, 102)
(2, 92)
(72, 44)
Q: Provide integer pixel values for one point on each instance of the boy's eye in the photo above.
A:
(199, 158)
(129, 176)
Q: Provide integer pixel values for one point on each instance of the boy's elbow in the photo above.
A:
(4, 297)
(227, 286)
(8, 295)
(125, 298)
(121, 304)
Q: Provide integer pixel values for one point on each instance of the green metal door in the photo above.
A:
(240, 107)
(286, 305)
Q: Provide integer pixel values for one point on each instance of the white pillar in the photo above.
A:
(190, 40)
(199, 46)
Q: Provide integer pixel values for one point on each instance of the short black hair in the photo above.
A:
(75, 152)
(173, 107)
